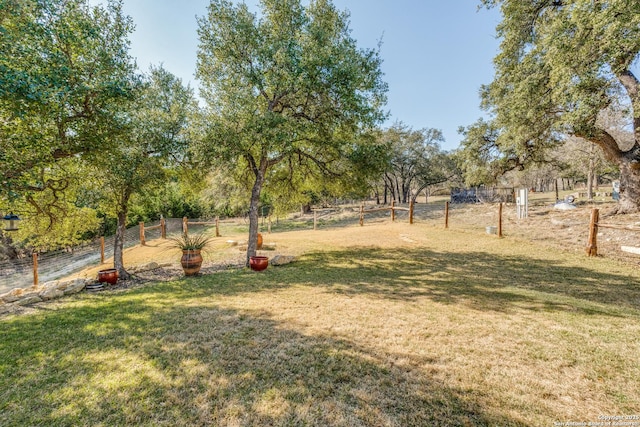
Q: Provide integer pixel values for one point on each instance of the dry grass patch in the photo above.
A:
(384, 325)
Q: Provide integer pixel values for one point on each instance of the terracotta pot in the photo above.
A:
(191, 261)
(258, 263)
(259, 241)
(109, 275)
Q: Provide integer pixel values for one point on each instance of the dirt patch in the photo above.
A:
(560, 229)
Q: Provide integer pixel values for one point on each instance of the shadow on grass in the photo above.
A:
(141, 361)
(482, 280)
(167, 355)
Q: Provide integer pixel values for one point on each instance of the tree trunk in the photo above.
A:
(118, 244)
(388, 189)
(590, 174)
(406, 190)
(252, 245)
(629, 164)
(629, 187)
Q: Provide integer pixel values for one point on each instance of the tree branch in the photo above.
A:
(632, 85)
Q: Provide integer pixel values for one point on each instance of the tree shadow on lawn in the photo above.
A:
(128, 361)
(479, 279)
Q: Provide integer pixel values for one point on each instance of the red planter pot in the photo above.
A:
(109, 275)
(258, 263)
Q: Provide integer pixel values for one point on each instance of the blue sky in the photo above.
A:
(436, 54)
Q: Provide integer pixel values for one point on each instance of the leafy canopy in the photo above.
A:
(561, 66)
(291, 83)
(64, 74)
(286, 91)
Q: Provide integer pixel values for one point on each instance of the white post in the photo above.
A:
(522, 203)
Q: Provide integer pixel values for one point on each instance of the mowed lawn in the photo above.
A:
(381, 325)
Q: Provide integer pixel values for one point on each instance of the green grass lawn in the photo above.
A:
(440, 328)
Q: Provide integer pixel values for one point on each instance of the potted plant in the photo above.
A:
(191, 247)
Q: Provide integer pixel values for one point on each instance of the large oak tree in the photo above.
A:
(561, 65)
(288, 87)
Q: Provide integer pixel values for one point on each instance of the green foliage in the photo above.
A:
(55, 219)
(288, 93)
(72, 229)
(561, 66)
(415, 160)
(155, 138)
(480, 157)
(225, 193)
(64, 73)
(174, 199)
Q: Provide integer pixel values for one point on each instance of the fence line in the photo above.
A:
(186, 223)
(393, 208)
(595, 224)
(56, 264)
(43, 267)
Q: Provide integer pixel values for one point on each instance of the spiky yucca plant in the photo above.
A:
(191, 242)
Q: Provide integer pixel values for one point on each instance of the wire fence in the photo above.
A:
(56, 264)
(559, 228)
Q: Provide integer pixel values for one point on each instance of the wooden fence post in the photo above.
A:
(102, 250)
(361, 214)
(217, 226)
(500, 220)
(393, 210)
(163, 228)
(411, 211)
(142, 242)
(446, 214)
(315, 219)
(592, 244)
(35, 269)
(185, 227)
